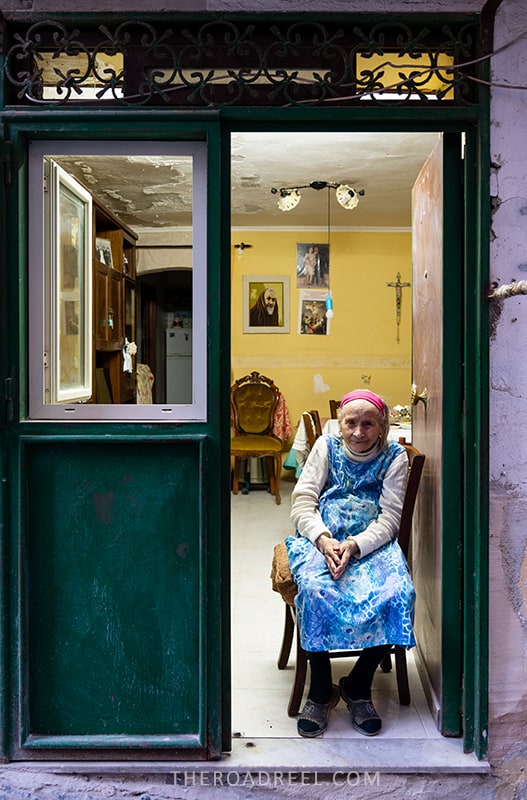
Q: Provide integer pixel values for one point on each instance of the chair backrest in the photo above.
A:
(310, 427)
(315, 416)
(254, 399)
(416, 461)
(333, 408)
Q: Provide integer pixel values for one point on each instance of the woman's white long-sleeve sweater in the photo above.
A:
(304, 502)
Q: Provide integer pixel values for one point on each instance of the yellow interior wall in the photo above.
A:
(361, 349)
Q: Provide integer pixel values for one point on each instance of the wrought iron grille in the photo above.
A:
(241, 62)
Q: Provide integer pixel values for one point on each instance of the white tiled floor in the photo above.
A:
(260, 690)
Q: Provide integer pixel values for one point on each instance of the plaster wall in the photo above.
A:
(361, 348)
(508, 404)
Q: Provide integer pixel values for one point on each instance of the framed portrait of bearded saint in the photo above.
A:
(266, 304)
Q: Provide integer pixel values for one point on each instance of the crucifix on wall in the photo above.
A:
(398, 286)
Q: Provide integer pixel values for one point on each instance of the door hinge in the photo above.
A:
(8, 399)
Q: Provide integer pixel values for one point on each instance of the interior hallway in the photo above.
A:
(260, 689)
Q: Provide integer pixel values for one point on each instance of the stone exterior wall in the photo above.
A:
(508, 400)
(348, 6)
(21, 784)
(508, 446)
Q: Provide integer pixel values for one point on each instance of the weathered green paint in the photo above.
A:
(116, 573)
(452, 381)
(4, 650)
(4, 638)
(221, 179)
(113, 548)
(476, 438)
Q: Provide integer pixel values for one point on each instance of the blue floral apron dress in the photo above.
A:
(372, 603)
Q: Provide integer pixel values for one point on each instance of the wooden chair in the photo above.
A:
(316, 422)
(313, 428)
(254, 399)
(333, 408)
(416, 460)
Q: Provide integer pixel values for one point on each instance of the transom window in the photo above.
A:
(232, 62)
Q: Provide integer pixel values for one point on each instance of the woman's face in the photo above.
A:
(360, 425)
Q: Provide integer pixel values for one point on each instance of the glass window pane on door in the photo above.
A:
(117, 278)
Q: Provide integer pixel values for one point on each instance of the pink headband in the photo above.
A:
(364, 394)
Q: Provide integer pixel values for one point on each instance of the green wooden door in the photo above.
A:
(115, 646)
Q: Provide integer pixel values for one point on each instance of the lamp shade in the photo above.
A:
(288, 200)
(347, 197)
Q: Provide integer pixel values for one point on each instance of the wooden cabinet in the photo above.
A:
(114, 305)
(109, 323)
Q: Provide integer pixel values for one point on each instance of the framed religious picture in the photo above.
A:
(312, 318)
(265, 304)
(312, 265)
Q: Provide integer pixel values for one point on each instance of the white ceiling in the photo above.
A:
(155, 192)
(384, 165)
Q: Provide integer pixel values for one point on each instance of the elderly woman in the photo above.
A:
(354, 588)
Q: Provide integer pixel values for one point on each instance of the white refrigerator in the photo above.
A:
(179, 365)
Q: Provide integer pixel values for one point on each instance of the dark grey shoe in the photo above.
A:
(363, 715)
(313, 719)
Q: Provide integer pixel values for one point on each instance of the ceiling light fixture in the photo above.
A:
(289, 196)
(288, 199)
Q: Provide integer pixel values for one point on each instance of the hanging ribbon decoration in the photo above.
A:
(398, 286)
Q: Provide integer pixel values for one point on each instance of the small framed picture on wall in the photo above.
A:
(312, 318)
(312, 265)
(266, 304)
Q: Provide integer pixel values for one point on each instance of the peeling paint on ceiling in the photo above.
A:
(156, 192)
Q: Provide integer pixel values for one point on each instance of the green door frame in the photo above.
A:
(465, 595)
(476, 374)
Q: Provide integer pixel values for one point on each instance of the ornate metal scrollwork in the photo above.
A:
(231, 61)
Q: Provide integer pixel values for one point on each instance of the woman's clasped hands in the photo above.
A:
(337, 554)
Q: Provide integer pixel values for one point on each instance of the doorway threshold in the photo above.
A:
(333, 755)
(291, 760)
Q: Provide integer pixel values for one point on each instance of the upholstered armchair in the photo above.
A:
(254, 399)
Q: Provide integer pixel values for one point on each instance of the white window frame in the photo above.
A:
(196, 411)
(57, 179)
